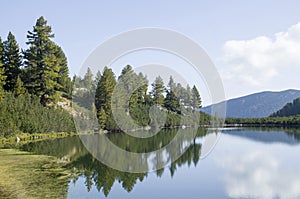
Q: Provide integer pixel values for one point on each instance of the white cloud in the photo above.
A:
(263, 62)
(259, 175)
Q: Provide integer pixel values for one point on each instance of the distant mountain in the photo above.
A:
(289, 109)
(257, 105)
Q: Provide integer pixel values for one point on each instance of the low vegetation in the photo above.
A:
(24, 175)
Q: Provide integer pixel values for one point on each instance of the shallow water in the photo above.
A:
(245, 163)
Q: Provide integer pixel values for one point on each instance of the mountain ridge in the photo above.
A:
(257, 105)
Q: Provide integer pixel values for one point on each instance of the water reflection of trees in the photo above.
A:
(81, 163)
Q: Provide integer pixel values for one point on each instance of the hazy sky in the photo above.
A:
(254, 44)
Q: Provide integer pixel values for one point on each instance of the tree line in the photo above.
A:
(40, 70)
(37, 78)
(32, 81)
(129, 93)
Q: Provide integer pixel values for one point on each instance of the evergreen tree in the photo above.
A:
(187, 97)
(97, 78)
(19, 87)
(63, 79)
(128, 79)
(142, 90)
(195, 99)
(12, 61)
(88, 80)
(172, 84)
(41, 63)
(103, 96)
(2, 76)
(158, 90)
(102, 118)
(171, 101)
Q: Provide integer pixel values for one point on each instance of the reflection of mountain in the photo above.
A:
(271, 136)
(83, 165)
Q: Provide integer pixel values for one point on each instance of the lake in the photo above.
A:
(245, 163)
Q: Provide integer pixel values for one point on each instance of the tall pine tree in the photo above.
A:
(171, 101)
(195, 98)
(158, 90)
(12, 62)
(103, 97)
(41, 63)
(64, 81)
(2, 76)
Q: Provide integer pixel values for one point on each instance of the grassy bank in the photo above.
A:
(24, 138)
(24, 175)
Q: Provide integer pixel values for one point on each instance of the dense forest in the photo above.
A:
(127, 100)
(290, 109)
(32, 81)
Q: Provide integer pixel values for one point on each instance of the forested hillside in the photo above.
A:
(290, 109)
(257, 105)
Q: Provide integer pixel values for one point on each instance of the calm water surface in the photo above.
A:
(245, 163)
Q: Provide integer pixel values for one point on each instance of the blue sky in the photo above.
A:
(81, 26)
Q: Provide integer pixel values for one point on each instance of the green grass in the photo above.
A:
(11, 142)
(24, 175)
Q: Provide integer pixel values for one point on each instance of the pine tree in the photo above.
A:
(103, 96)
(88, 80)
(12, 61)
(158, 90)
(142, 90)
(41, 63)
(195, 99)
(102, 118)
(97, 78)
(187, 97)
(171, 101)
(19, 87)
(63, 79)
(2, 76)
(172, 84)
(129, 80)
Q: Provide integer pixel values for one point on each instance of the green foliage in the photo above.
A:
(267, 121)
(158, 90)
(196, 100)
(25, 114)
(19, 87)
(103, 96)
(132, 101)
(12, 62)
(42, 65)
(171, 102)
(2, 71)
(63, 79)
